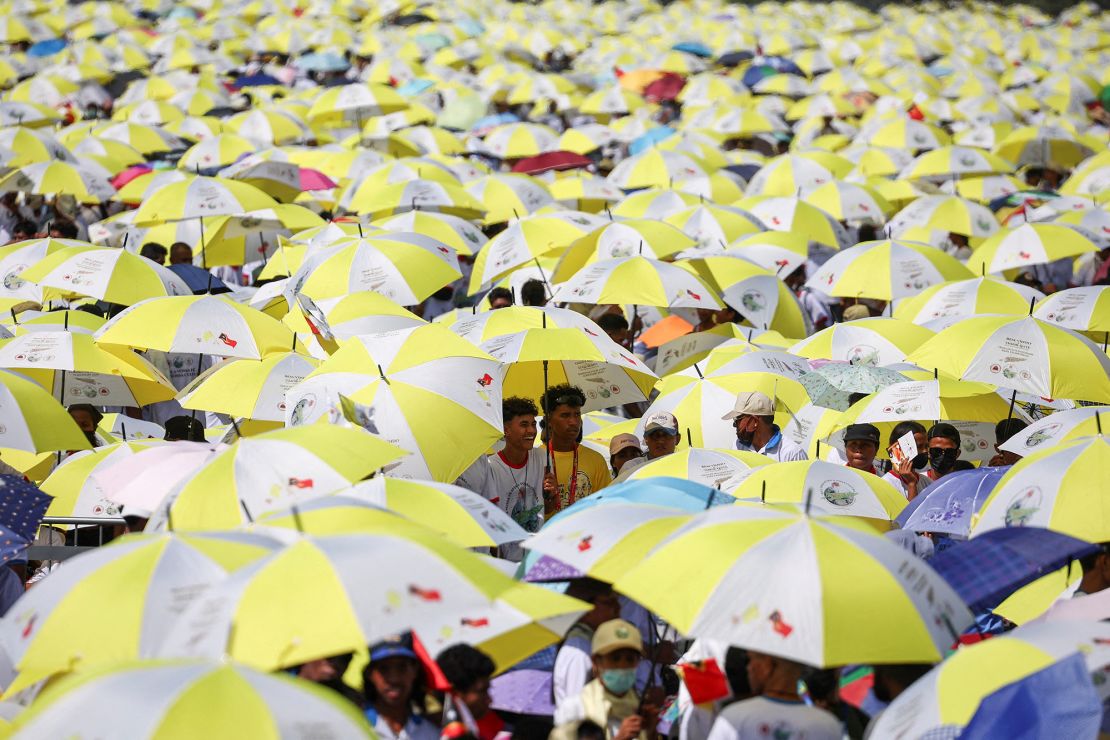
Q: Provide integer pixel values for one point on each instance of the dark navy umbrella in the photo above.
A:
(22, 506)
(256, 80)
(199, 280)
(984, 571)
(764, 67)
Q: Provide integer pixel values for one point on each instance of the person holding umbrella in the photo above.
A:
(574, 472)
(753, 417)
(610, 700)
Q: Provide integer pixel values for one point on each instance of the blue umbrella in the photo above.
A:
(199, 280)
(256, 80)
(693, 47)
(323, 61)
(46, 48)
(948, 505)
(650, 138)
(986, 570)
(22, 506)
(763, 67)
(415, 87)
(674, 493)
(1057, 701)
(494, 120)
(12, 545)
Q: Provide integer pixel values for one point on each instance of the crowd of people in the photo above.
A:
(377, 173)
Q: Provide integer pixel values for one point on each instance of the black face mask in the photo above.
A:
(942, 460)
(920, 461)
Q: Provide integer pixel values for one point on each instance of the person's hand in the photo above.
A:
(631, 728)
(550, 494)
(905, 471)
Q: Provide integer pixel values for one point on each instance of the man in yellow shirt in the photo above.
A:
(574, 471)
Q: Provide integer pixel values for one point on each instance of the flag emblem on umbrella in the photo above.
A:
(779, 625)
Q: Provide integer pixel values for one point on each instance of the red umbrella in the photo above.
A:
(129, 174)
(315, 180)
(666, 87)
(551, 161)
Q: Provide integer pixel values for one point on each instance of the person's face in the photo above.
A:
(1008, 458)
(622, 659)
(392, 679)
(622, 457)
(317, 671)
(84, 420)
(520, 432)
(746, 427)
(566, 422)
(941, 443)
(477, 698)
(760, 668)
(921, 442)
(860, 454)
(660, 443)
(606, 607)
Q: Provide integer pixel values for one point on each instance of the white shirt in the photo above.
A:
(923, 482)
(778, 447)
(572, 670)
(760, 717)
(519, 493)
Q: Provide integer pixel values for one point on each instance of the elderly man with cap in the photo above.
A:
(610, 700)
(660, 437)
(753, 417)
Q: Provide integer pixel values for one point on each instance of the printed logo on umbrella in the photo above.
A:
(1023, 507)
(838, 493)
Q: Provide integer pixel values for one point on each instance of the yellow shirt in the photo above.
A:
(593, 474)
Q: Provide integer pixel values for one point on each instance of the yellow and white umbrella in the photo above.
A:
(1028, 244)
(75, 370)
(204, 324)
(638, 281)
(1085, 308)
(946, 213)
(873, 341)
(200, 197)
(354, 104)
(886, 269)
(109, 274)
(655, 168)
(33, 420)
(961, 298)
(723, 469)
(86, 182)
(248, 389)
(519, 140)
(955, 161)
(536, 359)
(1021, 354)
(406, 268)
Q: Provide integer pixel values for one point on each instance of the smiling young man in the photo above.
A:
(575, 471)
(516, 471)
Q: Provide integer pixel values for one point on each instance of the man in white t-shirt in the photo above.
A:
(513, 477)
(777, 710)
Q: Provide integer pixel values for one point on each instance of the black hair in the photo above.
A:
(502, 293)
(184, 428)
(945, 431)
(587, 589)
(151, 248)
(854, 398)
(903, 674)
(902, 428)
(1007, 428)
(962, 465)
(23, 227)
(89, 409)
(822, 683)
(559, 395)
(736, 671)
(465, 666)
(515, 406)
(589, 730)
(1088, 562)
(533, 293)
(612, 322)
(66, 229)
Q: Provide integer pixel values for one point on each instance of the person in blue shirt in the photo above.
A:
(393, 681)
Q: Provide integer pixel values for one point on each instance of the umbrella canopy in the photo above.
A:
(949, 505)
(949, 695)
(196, 699)
(113, 275)
(1028, 244)
(1026, 355)
(1046, 489)
(763, 574)
(248, 389)
(60, 627)
(636, 280)
(33, 420)
(886, 270)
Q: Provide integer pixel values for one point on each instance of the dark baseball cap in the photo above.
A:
(864, 432)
